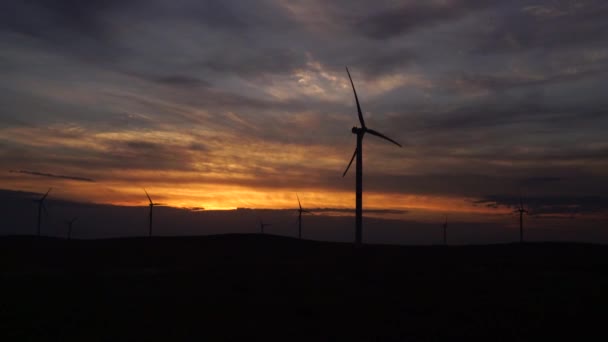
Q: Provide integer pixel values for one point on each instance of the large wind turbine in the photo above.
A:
(521, 210)
(300, 211)
(40, 207)
(152, 204)
(360, 132)
(70, 223)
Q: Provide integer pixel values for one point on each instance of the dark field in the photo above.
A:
(239, 287)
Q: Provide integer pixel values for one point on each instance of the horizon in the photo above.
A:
(98, 221)
(225, 104)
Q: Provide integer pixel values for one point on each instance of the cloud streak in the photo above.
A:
(50, 175)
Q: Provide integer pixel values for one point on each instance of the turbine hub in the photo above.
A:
(357, 130)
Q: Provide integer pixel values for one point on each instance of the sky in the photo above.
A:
(224, 104)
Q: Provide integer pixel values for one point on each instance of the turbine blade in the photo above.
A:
(47, 193)
(378, 134)
(356, 99)
(300, 204)
(149, 199)
(351, 163)
(46, 212)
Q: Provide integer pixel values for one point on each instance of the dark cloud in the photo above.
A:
(550, 25)
(147, 155)
(182, 81)
(506, 111)
(533, 181)
(331, 210)
(568, 73)
(352, 211)
(70, 27)
(41, 18)
(548, 205)
(407, 17)
(253, 62)
(50, 175)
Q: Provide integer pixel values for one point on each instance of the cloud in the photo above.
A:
(549, 205)
(548, 27)
(352, 211)
(50, 175)
(333, 210)
(405, 18)
(41, 18)
(182, 81)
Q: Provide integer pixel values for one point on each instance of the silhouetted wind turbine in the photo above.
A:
(70, 223)
(360, 132)
(445, 231)
(521, 210)
(152, 204)
(300, 211)
(40, 207)
(263, 225)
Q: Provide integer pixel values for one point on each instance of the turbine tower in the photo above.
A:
(521, 210)
(152, 204)
(70, 223)
(300, 211)
(41, 206)
(360, 132)
(445, 231)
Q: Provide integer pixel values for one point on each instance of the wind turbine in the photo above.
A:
(360, 132)
(70, 223)
(445, 231)
(263, 225)
(152, 204)
(300, 211)
(521, 210)
(40, 207)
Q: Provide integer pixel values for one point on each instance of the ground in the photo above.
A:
(237, 287)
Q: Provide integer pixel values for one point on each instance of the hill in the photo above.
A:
(231, 287)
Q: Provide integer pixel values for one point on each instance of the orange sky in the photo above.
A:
(223, 196)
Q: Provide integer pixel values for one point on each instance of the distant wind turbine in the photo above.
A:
(521, 210)
(300, 211)
(445, 231)
(263, 225)
(360, 132)
(70, 223)
(41, 206)
(152, 204)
